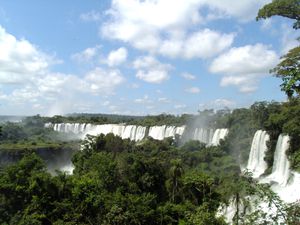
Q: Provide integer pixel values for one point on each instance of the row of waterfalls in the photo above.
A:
(137, 133)
(283, 181)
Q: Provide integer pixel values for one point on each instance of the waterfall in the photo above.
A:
(203, 135)
(256, 163)
(281, 165)
(157, 132)
(218, 135)
(137, 133)
(180, 130)
(132, 132)
(128, 132)
(140, 133)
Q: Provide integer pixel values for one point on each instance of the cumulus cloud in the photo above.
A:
(206, 43)
(86, 55)
(117, 57)
(244, 66)
(244, 11)
(201, 44)
(100, 81)
(151, 70)
(20, 61)
(25, 73)
(151, 25)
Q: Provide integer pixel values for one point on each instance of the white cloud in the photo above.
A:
(117, 57)
(153, 76)
(171, 48)
(242, 10)
(20, 61)
(151, 70)
(244, 66)
(193, 90)
(35, 87)
(24, 94)
(151, 25)
(86, 55)
(91, 16)
(201, 44)
(188, 76)
(100, 81)
(206, 43)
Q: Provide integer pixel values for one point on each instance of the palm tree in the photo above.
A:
(176, 172)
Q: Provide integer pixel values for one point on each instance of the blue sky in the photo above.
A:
(137, 57)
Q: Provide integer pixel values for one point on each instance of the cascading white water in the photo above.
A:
(203, 135)
(140, 133)
(256, 163)
(180, 130)
(219, 134)
(288, 191)
(170, 131)
(157, 132)
(129, 132)
(132, 132)
(281, 165)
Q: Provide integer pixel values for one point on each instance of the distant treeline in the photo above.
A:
(205, 118)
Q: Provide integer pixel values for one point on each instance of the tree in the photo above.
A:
(288, 69)
(285, 8)
(176, 172)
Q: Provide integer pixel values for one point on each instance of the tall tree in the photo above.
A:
(289, 67)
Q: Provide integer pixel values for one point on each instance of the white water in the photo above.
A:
(132, 132)
(219, 134)
(281, 165)
(203, 135)
(209, 136)
(68, 169)
(284, 182)
(137, 133)
(256, 163)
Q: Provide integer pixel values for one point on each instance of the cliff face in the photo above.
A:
(55, 157)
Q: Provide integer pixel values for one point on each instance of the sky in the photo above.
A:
(138, 57)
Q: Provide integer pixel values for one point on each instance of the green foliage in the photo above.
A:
(119, 181)
(116, 182)
(203, 216)
(285, 8)
(286, 120)
(162, 119)
(288, 69)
